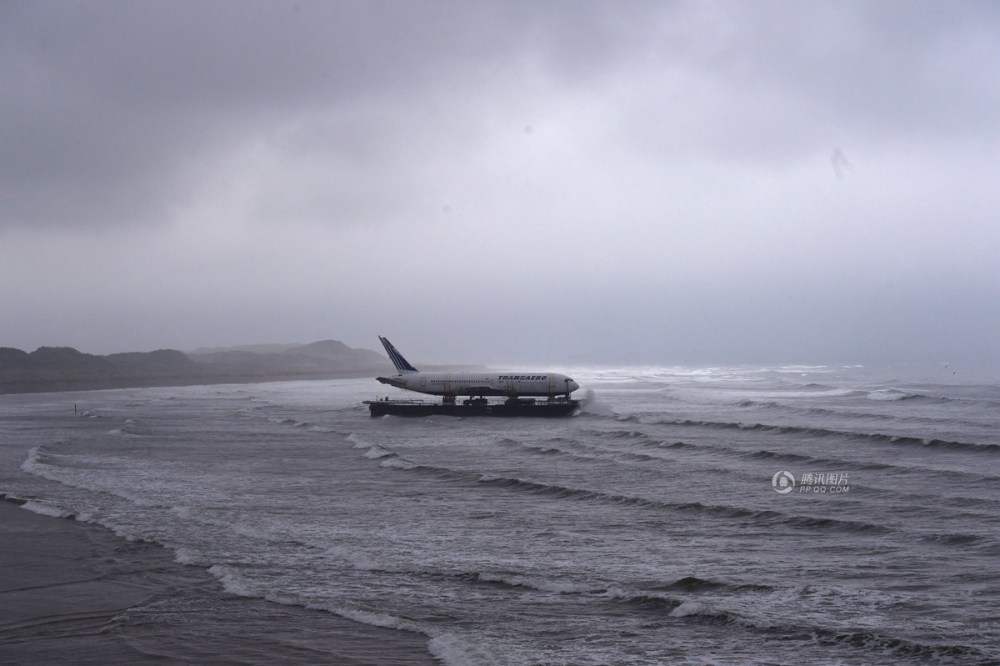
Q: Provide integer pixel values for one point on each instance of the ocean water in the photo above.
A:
(647, 529)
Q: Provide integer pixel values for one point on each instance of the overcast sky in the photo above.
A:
(658, 182)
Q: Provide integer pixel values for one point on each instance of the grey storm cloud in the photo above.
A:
(110, 107)
(637, 180)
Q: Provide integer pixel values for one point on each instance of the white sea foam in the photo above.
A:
(540, 584)
(185, 556)
(456, 649)
(319, 428)
(695, 607)
(358, 441)
(123, 433)
(36, 464)
(377, 452)
(398, 463)
(46, 509)
(232, 582)
(590, 404)
(889, 394)
(375, 619)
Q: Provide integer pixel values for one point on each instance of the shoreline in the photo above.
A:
(71, 385)
(76, 593)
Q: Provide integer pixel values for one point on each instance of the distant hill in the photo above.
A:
(266, 348)
(328, 355)
(65, 368)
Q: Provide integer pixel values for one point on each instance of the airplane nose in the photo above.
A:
(571, 385)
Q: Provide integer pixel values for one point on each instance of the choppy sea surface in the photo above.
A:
(686, 515)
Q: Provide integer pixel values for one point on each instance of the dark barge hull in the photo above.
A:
(473, 408)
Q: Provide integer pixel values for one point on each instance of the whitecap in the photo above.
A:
(46, 509)
(376, 452)
(889, 394)
(231, 581)
(694, 607)
(398, 463)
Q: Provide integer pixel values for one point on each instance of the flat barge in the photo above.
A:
(474, 407)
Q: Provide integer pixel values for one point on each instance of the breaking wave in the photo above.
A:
(764, 517)
(903, 440)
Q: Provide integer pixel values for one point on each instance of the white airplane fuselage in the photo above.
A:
(484, 383)
(511, 384)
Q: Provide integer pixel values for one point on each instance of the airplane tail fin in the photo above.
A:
(402, 365)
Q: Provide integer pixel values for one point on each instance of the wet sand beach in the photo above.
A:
(75, 593)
